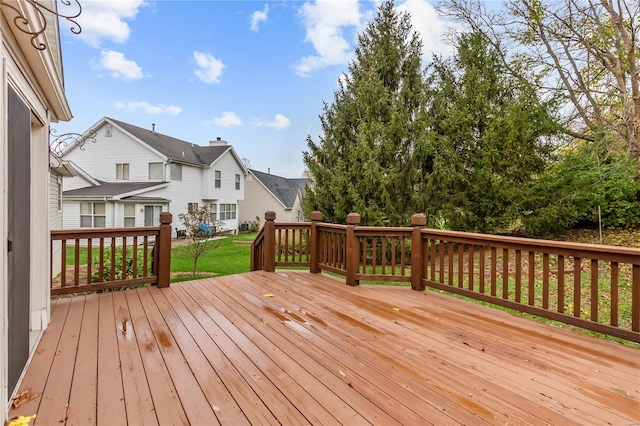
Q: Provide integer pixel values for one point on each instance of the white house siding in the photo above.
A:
(99, 158)
(258, 200)
(40, 87)
(297, 213)
(55, 218)
(75, 182)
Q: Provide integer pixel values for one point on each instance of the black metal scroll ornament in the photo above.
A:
(22, 23)
(59, 144)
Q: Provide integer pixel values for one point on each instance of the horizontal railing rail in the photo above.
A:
(590, 286)
(106, 258)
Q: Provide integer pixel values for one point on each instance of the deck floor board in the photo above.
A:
(293, 348)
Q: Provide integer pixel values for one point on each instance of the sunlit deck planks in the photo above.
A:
(295, 348)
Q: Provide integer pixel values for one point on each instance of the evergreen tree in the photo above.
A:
(363, 161)
(486, 139)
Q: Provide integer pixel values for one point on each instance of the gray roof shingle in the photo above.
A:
(110, 189)
(175, 149)
(285, 189)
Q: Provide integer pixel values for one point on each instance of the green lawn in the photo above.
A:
(227, 256)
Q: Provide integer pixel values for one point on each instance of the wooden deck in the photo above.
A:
(295, 348)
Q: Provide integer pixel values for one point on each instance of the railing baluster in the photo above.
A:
(63, 269)
(518, 276)
(577, 270)
(561, 284)
(101, 261)
(460, 265)
(89, 259)
(545, 281)
(594, 290)
(505, 273)
(135, 256)
(449, 265)
(393, 256)
(635, 298)
(145, 252)
(472, 250)
(481, 269)
(433, 260)
(403, 255)
(494, 271)
(76, 267)
(531, 281)
(113, 258)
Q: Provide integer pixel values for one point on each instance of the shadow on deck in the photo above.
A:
(292, 347)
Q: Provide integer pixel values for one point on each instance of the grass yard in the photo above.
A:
(226, 256)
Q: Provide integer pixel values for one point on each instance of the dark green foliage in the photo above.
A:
(486, 140)
(362, 162)
(571, 189)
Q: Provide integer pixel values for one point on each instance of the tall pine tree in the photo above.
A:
(363, 161)
(488, 136)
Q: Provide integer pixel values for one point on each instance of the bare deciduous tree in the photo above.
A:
(585, 52)
(200, 228)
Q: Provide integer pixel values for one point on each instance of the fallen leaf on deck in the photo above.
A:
(22, 397)
(216, 408)
(21, 420)
(68, 413)
(350, 385)
(255, 376)
(396, 309)
(58, 353)
(342, 373)
(268, 295)
(39, 351)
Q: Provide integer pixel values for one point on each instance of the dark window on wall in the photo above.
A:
(122, 171)
(213, 209)
(218, 179)
(156, 171)
(227, 211)
(92, 215)
(152, 215)
(192, 207)
(238, 182)
(59, 180)
(129, 215)
(176, 171)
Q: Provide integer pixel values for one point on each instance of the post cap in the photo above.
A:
(270, 215)
(418, 219)
(316, 216)
(165, 218)
(353, 219)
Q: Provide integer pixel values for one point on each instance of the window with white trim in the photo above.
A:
(156, 171)
(59, 193)
(92, 215)
(152, 215)
(227, 211)
(213, 210)
(129, 215)
(122, 171)
(238, 182)
(218, 179)
(176, 171)
(192, 207)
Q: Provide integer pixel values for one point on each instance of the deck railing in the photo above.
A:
(590, 286)
(105, 258)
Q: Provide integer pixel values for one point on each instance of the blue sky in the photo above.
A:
(255, 73)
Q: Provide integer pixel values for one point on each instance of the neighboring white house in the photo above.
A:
(267, 192)
(129, 175)
(33, 96)
(58, 169)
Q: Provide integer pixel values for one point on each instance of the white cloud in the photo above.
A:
(279, 122)
(120, 67)
(431, 26)
(324, 21)
(258, 17)
(105, 20)
(228, 119)
(208, 69)
(148, 108)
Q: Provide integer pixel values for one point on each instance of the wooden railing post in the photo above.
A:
(418, 221)
(269, 252)
(352, 249)
(163, 247)
(314, 246)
